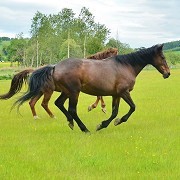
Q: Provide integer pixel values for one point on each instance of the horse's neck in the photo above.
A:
(138, 68)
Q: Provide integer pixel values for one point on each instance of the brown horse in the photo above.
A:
(113, 76)
(21, 77)
(16, 85)
(99, 56)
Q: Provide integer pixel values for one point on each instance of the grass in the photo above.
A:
(146, 147)
(6, 71)
(8, 65)
(5, 64)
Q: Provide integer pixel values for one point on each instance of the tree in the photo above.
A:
(16, 50)
(57, 36)
(74, 49)
(122, 47)
(94, 45)
(172, 57)
(87, 30)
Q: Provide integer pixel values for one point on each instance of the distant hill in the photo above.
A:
(6, 39)
(173, 46)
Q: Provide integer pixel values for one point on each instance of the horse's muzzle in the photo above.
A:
(166, 75)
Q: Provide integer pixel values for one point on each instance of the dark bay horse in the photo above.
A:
(99, 56)
(113, 76)
(20, 78)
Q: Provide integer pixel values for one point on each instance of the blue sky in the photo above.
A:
(137, 23)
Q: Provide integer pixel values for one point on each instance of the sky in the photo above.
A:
(139, 23)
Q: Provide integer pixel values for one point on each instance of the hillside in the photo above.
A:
(173, 46)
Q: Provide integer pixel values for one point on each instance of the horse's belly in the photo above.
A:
(97, 91)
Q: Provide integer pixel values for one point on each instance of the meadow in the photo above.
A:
(146, 147)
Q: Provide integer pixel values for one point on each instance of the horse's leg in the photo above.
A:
(94, 105)
(127, 98)
(73, 99)
(60, 104)
(32, 104)
(45, 101)
(103, 105)
(115, 107)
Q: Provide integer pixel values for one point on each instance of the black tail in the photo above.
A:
(39, 80)
(16, 84)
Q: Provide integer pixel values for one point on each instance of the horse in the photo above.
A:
(20, 78)
(114, 76)
(99, 56)
(72, 76)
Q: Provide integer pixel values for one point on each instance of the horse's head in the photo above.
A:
(159, 61)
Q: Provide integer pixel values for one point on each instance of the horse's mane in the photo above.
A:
(137, 57)
(104, 54)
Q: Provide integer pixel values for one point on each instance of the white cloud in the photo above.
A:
(139, 23)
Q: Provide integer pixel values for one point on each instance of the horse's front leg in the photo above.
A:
(115, 107)
(127, 98)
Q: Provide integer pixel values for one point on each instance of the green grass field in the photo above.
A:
(8, 65)
(146, 147)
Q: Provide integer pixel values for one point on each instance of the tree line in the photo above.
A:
(173, 46)
(55, 37)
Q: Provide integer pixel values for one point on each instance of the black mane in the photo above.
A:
(141, 57)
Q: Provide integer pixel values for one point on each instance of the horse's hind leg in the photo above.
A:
(32, 104)
(44, 104)
(127, 98)
(94, 105)
(60, 104)
(73, 99)
(103, 105)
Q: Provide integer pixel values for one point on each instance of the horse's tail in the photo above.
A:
(40, 80)
(17, 82)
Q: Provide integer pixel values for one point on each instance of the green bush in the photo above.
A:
(172, 57)
(6, 77)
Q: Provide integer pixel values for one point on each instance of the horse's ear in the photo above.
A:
(159, 47)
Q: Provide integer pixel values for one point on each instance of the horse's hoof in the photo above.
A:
(87, 131)
(99, 127)
(104, 110)
(71, 125)
(117, 121)
(53, 117)
(90, 108)
(36, 117)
